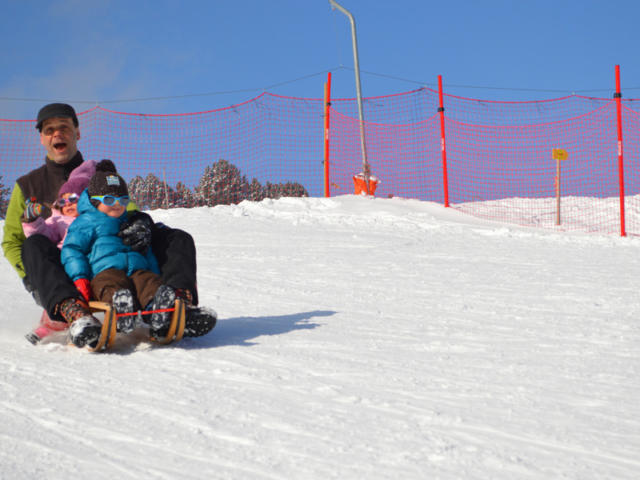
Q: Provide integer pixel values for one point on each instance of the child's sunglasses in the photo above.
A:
(110, 200)
(73, 198)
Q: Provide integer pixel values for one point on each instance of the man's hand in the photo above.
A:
(136, 231)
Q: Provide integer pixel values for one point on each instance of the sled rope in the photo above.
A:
(146, 312)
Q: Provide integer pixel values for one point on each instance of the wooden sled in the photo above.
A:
(108, 333)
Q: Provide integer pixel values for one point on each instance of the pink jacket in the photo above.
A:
(54, 228)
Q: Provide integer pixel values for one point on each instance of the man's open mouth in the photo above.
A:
(59, 146)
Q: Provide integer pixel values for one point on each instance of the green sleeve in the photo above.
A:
(14, 237)
(132, 207)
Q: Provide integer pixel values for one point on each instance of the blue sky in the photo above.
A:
(196, 55)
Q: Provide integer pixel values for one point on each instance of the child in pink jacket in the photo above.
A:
(63, 212)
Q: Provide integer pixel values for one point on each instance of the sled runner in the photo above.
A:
(108, 333)
(109, 323)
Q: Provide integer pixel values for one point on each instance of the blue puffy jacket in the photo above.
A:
(92, 245)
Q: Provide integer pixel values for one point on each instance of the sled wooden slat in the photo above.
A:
(181, 319)
(108, 332)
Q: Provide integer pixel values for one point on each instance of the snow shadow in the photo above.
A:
(241, 330)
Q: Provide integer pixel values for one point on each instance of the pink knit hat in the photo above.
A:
(79, 178)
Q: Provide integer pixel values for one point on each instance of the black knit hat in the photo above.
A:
(106, 181)
(56, 110)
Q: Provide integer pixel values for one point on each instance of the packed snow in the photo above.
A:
(358, 338)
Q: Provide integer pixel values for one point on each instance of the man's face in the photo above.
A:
(60, 136)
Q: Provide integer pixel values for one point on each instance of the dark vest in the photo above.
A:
(44, 182)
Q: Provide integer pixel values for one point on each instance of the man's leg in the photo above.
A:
(56, 292)
(45, 274)
(176, 254)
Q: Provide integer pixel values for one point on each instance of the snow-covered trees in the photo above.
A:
(222, 183)
(151, 192)
(4, 199)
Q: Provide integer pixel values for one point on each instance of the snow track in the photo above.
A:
(358, 338)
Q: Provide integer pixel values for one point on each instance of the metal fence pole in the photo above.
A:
(618, 97)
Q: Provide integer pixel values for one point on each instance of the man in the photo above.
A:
(37, 259)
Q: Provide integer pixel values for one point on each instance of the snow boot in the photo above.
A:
(185, 295)
(34, 337)
(199, 320)
(85, 328)
(123, 302)
(85, 331)
(45, 328)
(165, 297)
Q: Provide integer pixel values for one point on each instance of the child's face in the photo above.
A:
(114, 210)
(69, 209)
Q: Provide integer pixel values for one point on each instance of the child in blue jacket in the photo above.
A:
(104, 268)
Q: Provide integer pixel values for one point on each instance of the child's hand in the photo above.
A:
(33, 210)
(136, 231)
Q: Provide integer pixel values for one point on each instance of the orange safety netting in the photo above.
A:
(499, 162)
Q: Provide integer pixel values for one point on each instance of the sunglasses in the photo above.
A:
(71, 199)
(110, 200)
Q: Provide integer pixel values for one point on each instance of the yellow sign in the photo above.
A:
(559, 154)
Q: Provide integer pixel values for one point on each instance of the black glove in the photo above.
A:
(136, 231)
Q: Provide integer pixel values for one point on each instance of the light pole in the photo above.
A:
(366, 171)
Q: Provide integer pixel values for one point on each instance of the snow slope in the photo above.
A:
(358, 338)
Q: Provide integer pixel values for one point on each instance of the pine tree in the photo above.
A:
(151, 193)
(289, 189)
(256, 191)
(4, 199)
(185, 197)
(222, 184)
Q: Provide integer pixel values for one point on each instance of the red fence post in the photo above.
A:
(327, 105)
(618, 97)
(445, 177)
